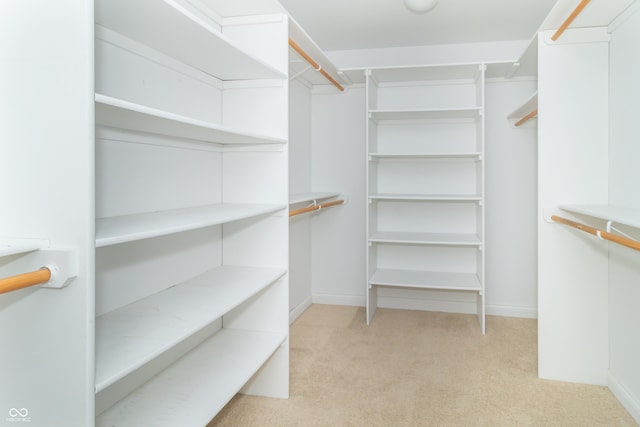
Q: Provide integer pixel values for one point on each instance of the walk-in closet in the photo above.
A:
(211, 208)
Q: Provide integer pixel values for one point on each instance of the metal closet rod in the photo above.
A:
(25, 280)
(630, 243)
(315, 207)
(314, 64)
(529, 116)
(569, 19)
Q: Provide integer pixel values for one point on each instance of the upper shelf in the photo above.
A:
(300, 68)
(426, 73)
(518, 116)
(168, 26)
(617, 214)
(473, 155)
(440, 113)
(309, 197)
(127, 228)
(123, 114)
(595, 14)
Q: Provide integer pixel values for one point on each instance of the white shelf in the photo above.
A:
(185, 34)
(617, 214)
(127, 228)
(197, 386)
(21, 246)
(444, 239)
(475, 155)
(426, 280)
(525, 108)
(426, 73)
(309, 197)
(123, 114)
(425, 197)
(437, 114)
(131, 336)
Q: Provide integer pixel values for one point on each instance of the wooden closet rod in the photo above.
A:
(529, 116)
(630, 243)
(314, 64)
(315, 207)
(25, 280)
(569, 20)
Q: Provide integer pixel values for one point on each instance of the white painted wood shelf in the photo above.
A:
(529, 105)
(122, 114)
(310, 197)
(426, 114)
(181, 32)
(444, 239)
(426, 280)
(131, 336)
(184, 396)
(426, 197)
(617, 214)
(474, 155)
(127, 228)
(20, 246)
(425, 180)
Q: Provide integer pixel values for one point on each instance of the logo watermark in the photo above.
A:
(20, 415)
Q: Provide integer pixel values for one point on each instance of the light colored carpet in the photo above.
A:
(415, 368)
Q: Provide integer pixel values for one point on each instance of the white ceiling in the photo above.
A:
(363, 24)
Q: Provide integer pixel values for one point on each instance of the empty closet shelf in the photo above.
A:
(617, 214)
(438, 113)
(189, 392)
(127, 228)
(131, 336)
(448, 239)
(122, 114)
(188, 27)
(425, 197)
(426, 280)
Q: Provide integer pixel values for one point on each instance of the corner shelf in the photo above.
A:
(127, 228)
(119, 113)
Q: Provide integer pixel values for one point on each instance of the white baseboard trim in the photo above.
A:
(512, 311)
(630, 402)
(448, 306)
(296, 311)
(338, 299)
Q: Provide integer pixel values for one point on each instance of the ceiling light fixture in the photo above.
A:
(420, 6)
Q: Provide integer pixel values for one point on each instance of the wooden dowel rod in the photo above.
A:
(630, 243)
(314, 64)
(570, 19)
(315, 207)
(25, 280)
(529, 116)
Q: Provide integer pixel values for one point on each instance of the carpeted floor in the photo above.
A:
(414, 368)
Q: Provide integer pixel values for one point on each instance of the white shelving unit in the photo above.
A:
(191, 260)
(425, 181)
(20, 246)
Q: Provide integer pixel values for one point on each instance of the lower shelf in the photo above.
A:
(197, 386)
(426, 280)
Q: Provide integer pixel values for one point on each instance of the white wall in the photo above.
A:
(624, 176)
(338, 164)
(300, 242)
(511, 200)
